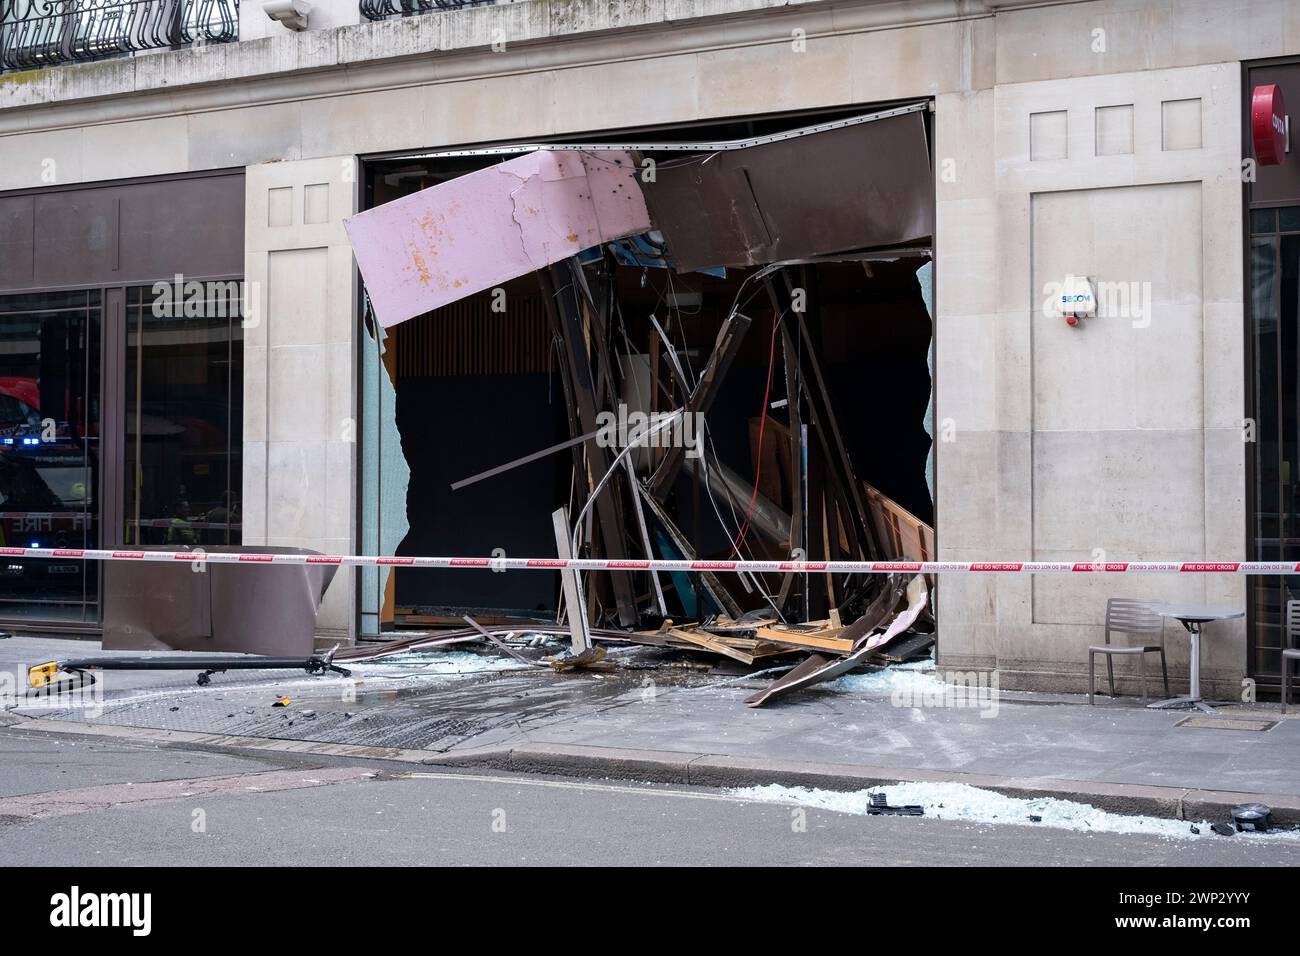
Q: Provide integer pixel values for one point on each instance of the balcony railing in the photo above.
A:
(40, 33)
(385, 9)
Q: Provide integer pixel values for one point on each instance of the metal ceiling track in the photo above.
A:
(671, 146)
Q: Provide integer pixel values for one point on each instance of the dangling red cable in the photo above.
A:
(762, 423)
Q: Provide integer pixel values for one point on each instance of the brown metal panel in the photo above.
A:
(192, 226)
(251, 609)
(852, 188)
(123, 233)
(75, 238)
(156, 607)
(17, 225)
(269, 609)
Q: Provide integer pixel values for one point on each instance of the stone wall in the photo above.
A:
(1120, 440)
(1096, 137)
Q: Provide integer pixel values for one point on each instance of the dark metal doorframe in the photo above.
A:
(1266, 682)
(112, 419)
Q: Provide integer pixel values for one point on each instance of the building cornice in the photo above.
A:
(480, 42)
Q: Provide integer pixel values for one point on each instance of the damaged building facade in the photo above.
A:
(838, 256)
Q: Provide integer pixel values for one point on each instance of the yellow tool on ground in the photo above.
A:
(42, 674)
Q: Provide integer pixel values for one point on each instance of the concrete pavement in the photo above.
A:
(649, 721)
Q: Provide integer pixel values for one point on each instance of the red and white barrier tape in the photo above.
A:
(607, 564)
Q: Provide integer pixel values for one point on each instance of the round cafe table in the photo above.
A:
(1192, 616)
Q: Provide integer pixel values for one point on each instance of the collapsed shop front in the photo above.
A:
(739, 365)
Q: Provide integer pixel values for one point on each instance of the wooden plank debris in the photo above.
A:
(822, 667)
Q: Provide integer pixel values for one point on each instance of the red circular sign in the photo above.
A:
(1268, 124)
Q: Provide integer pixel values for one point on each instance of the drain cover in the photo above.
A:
(1226, 723)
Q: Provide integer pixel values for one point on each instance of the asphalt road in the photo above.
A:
(79, 801)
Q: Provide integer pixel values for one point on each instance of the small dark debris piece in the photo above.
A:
(1253, 817)
(1196, 829)
(1035, 818)
(1222, 829)
(879, 806)
(173, 708)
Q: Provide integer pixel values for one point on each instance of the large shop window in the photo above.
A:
(176, 453)
(183, 442)
(120, 395)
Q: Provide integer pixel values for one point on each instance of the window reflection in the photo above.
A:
(49, 467)
(184, 374)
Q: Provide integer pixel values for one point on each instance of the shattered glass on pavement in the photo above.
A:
(417, 700)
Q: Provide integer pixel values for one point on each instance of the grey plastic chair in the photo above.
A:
(1130, 616)
(1290, 652)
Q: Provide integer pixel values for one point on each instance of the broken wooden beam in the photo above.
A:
(562, 306)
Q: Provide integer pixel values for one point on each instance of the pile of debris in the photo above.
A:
(698, 300)
(895, 637)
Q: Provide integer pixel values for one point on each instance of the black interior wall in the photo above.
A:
(875, 343)
(457, 426)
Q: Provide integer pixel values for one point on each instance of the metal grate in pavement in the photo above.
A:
(1227, 723)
